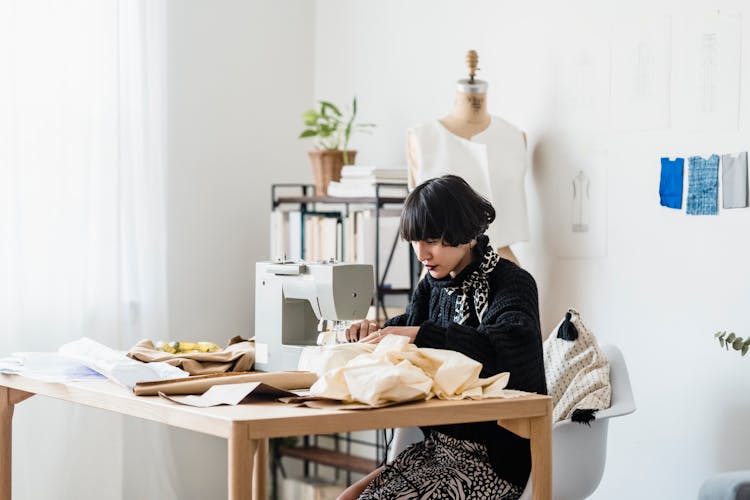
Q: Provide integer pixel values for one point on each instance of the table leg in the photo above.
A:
(6, 443)
(540, 433)
(8, 400)
(241, 450)
(260, 471)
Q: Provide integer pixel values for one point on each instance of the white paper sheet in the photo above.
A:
(117, 366)
(580, 226)
(583, 74)
(641, 69)
(706, 83)
(48, 367)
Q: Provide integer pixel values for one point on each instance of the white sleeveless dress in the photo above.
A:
(493, 162)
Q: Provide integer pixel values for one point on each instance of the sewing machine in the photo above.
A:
(296, 301)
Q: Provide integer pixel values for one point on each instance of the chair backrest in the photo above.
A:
(579, 452)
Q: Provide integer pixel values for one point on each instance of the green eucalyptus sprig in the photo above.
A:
(737, 343)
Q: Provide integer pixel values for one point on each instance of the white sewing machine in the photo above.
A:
(295, 301)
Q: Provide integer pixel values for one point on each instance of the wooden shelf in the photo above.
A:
(332, 458)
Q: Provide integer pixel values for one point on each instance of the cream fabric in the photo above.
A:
(577, 372)
(493, 162)
(397, 371)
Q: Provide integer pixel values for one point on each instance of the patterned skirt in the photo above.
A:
(441, 467)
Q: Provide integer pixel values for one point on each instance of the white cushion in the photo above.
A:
(577, 371)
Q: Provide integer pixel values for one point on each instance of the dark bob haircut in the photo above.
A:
(445, 208)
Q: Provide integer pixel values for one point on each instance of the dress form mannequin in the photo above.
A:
(469, 115)
(468, 118)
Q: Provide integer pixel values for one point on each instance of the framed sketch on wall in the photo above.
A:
(641, 68)
(581, 208)
(706, 86)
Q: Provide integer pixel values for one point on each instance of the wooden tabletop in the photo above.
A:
(248, 426)
(274, 419)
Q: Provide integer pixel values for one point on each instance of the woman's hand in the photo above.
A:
(360, 330)
(378, 335)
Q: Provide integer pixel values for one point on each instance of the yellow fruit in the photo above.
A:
(188, 347)
(170, 347)
(175, 347)
(208, 347)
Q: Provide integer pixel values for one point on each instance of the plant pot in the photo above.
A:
(326, 166)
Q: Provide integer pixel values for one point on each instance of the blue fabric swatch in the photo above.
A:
(670, 185)
(703, 186)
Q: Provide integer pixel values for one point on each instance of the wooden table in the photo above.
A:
(248, 427)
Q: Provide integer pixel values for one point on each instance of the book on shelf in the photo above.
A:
(350, 189)
(378, 174)
(352, 240)
(360, 182)
(279, 234)
(365, 224)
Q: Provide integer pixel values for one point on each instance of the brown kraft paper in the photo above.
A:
(201, 383)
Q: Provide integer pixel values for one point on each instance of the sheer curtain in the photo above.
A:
(82, 220)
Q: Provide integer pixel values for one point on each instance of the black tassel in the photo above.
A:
(583, 416)
(567, 330)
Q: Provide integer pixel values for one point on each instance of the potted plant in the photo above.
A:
(332, 131)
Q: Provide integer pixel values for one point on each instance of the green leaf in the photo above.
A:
(348, 129)
(737, 344)
(717, 334)
(731, 337)
(325, 105)
(747, 342)
(721, 342)
(310, 117)
(308, 133)
(744, 349)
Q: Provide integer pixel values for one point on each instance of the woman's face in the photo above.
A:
(441, 260)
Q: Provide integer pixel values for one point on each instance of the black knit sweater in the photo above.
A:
(508, 339)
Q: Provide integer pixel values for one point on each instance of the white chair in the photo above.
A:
(579, 452)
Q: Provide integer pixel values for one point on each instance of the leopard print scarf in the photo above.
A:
(477, 284)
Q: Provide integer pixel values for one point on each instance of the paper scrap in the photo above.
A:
(117, 366)
(47, 367)
(229, 394)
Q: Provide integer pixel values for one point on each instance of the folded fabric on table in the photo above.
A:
(397, 371)
(237, 356)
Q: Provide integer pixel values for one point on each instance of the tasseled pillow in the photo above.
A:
(577, 371)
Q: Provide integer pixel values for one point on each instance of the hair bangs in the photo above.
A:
(445, 208)
(418, 221)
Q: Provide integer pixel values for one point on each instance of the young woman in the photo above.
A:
(473, 302)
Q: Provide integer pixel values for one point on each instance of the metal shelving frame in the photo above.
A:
(308, 205)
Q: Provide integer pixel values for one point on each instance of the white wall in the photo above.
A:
(668, 280)
(240, 74)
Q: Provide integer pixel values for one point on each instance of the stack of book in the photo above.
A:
(358, 181)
